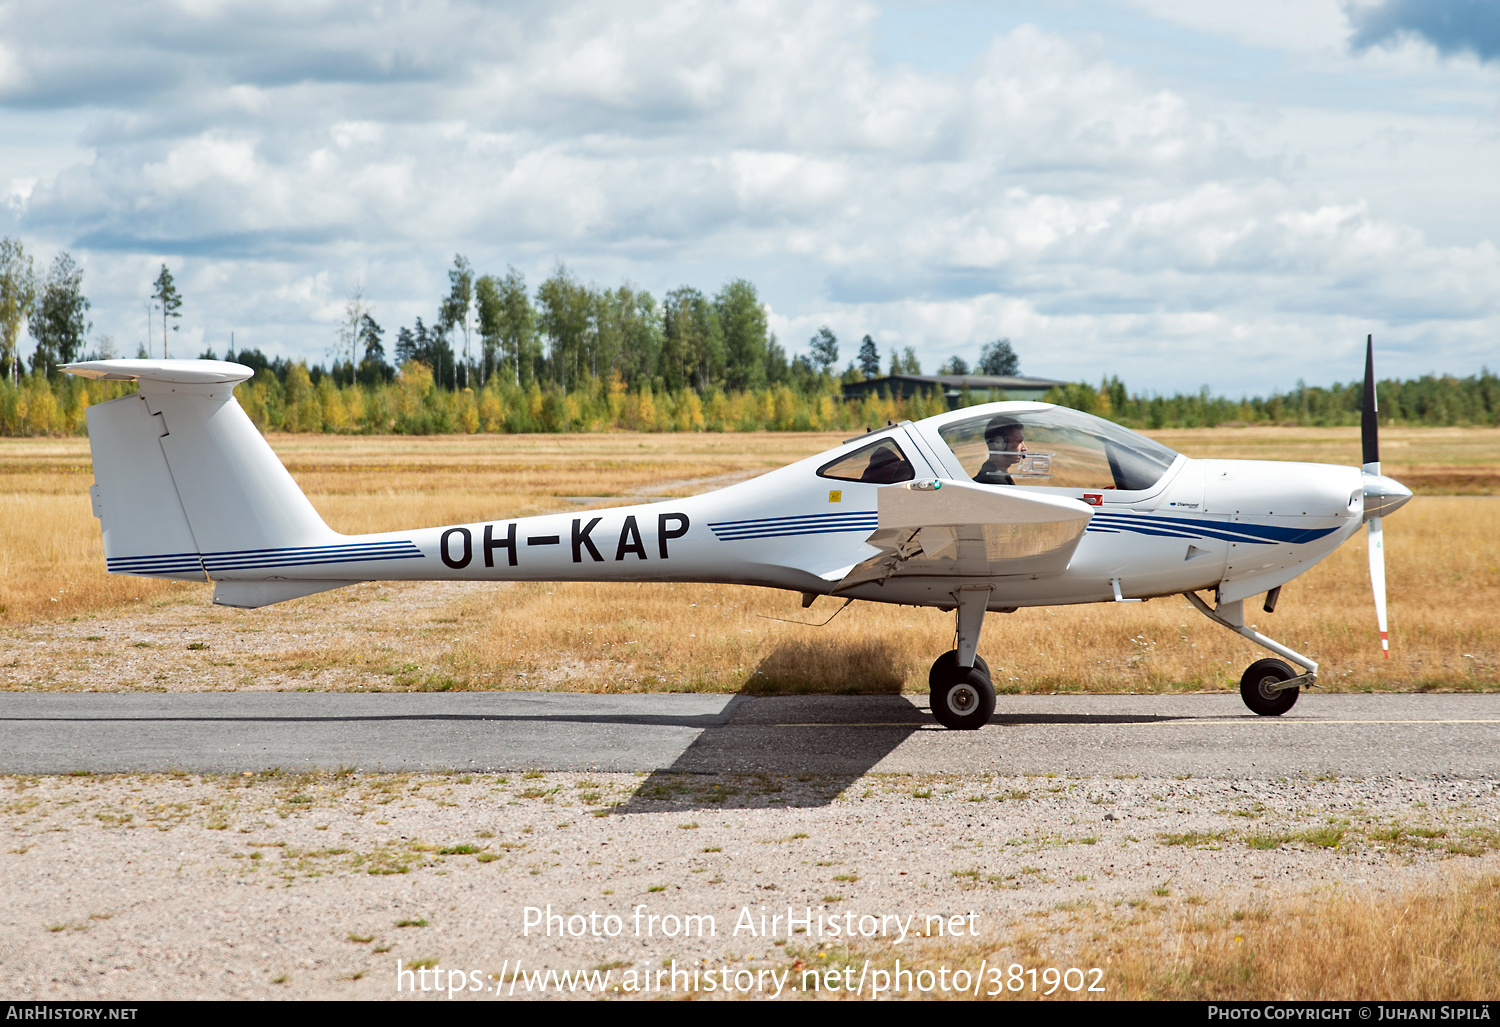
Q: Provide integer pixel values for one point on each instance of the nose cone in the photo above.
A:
(1383, 496)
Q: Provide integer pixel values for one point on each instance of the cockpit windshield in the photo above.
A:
(1058, 447)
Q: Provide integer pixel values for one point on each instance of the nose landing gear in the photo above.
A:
(1269, 687)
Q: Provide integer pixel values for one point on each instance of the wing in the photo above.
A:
(952, 528)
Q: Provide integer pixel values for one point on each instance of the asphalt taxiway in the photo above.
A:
(1098, 735)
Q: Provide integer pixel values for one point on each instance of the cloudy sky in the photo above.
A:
(1181, 192)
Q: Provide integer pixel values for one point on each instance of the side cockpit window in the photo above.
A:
(1057, 447)
(882, 463)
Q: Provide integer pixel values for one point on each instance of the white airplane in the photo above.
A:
(984, 509)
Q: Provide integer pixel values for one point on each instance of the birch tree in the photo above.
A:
(17, 297)
(60, 322)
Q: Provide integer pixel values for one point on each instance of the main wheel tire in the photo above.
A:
(1258, 697)
(965, 701)
(945, 668)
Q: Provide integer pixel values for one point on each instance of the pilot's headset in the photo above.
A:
(996, 429)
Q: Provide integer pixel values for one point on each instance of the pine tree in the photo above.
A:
(166, 294)
(373, 369)
(869, 358)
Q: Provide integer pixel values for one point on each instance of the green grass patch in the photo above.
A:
(1192, 839)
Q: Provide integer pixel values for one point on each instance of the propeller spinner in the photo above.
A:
(1382, 495)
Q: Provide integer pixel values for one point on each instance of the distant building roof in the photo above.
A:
(952, 385)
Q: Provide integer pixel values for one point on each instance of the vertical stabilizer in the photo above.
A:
(237, 495)
(185, 485)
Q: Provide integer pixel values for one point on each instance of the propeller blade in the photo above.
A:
(1377, 581)
(1369, 414)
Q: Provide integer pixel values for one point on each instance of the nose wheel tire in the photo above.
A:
(1255, 690)
(965, 701)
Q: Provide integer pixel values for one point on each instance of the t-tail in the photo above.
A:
(186, 487)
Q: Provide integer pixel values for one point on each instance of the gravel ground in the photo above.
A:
(265, 886)
(363, 636)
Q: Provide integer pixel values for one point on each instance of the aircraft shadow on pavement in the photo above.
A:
(778, 750)
(801, 751)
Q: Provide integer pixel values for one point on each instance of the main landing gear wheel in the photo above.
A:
(965, 701)
(1255, 690)
(946, 666)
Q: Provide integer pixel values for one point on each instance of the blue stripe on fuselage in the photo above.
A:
(264, 559)
(1193, 527)
(808, 524)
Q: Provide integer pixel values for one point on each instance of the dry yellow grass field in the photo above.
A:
(1443, 552)
(1435, 944)
(1442, 944)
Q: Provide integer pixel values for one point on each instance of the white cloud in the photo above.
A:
(1100, 218)
(12, 74)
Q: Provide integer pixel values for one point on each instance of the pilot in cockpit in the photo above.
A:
(1005, 437)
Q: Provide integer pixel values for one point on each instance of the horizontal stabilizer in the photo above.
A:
(171, 372)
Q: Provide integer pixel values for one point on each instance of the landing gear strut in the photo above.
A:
(1269, 687)
(962, 695)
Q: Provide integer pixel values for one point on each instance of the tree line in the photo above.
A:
(292, 397)
(575, 356)
(1432, 400)
(492, 327)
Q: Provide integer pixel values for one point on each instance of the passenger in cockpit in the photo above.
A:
(887, 466)
(1005, 437)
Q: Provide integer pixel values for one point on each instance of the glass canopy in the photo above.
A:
(1055, 447)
